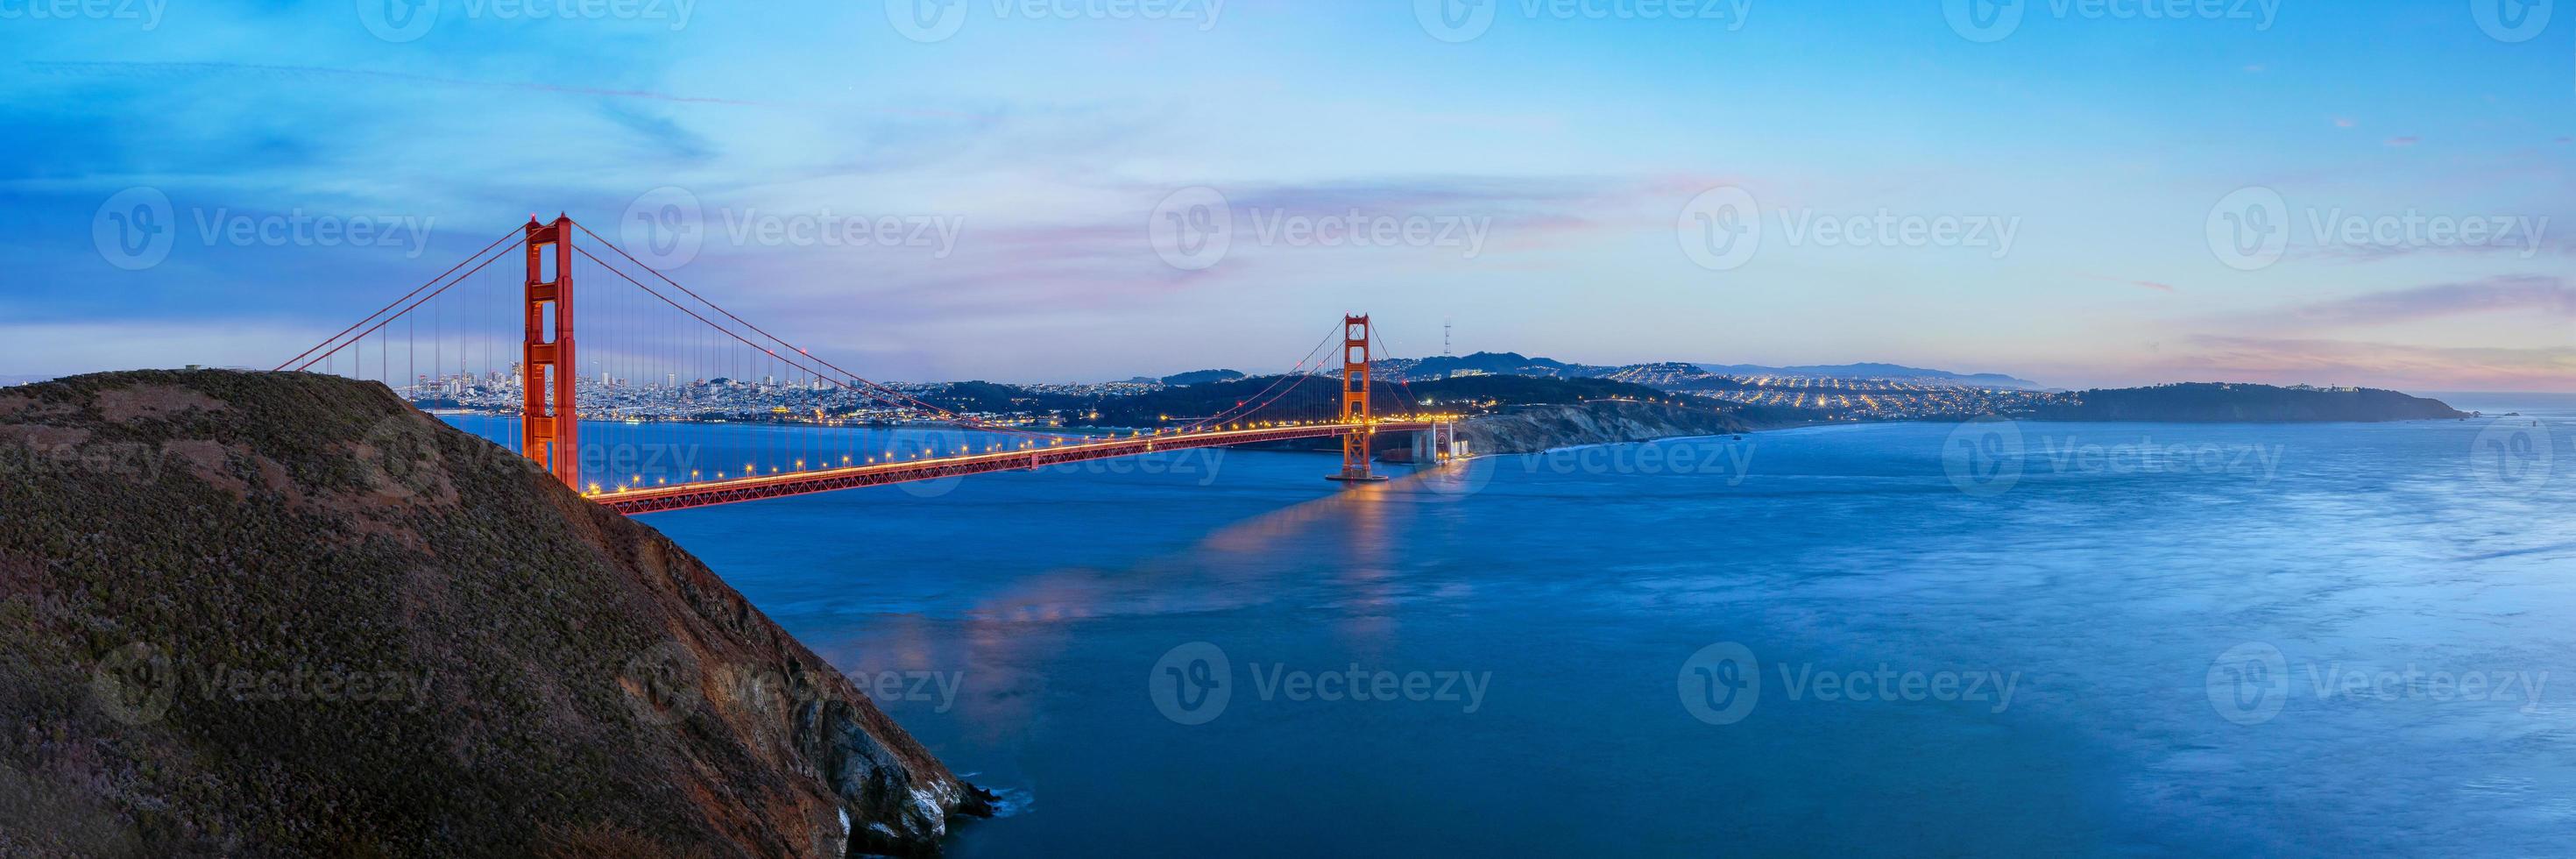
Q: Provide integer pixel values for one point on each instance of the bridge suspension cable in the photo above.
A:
(671, 400)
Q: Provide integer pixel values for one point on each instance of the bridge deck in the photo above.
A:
(658, 498)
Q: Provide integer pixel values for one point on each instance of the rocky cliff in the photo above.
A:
(1530, 429)
(286, 614)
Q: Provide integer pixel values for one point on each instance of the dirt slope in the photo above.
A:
(272, 614)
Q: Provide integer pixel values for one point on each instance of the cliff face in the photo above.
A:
(1538, 428)
(283, 614)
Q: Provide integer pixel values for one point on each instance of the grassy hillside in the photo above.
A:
(2224, 402)
(285, 614)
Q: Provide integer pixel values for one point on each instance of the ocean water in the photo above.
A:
(1992, 638)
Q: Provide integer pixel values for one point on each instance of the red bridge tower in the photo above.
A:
(1355, 401)
(550, 430)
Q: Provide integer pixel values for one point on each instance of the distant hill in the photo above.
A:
(1486, 363)
(1517, 364)
(1201, 377)
(2212, 402)
(1896, 372)
(285, 614)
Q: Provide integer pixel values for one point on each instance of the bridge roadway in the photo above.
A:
(634, 500)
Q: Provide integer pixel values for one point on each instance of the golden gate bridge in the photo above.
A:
(476, 317)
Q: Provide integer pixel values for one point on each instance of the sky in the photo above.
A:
(2080, 192)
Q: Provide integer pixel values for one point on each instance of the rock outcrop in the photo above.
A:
(1529, 429)
(287, 614)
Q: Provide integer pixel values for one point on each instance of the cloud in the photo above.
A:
(2323, 361)
(2404, 141)
(2515, 293)
(310, 73)
(2145, 284)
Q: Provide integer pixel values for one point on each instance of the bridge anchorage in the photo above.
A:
(660, 362)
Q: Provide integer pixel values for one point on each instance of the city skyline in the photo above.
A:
(2358, 194)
